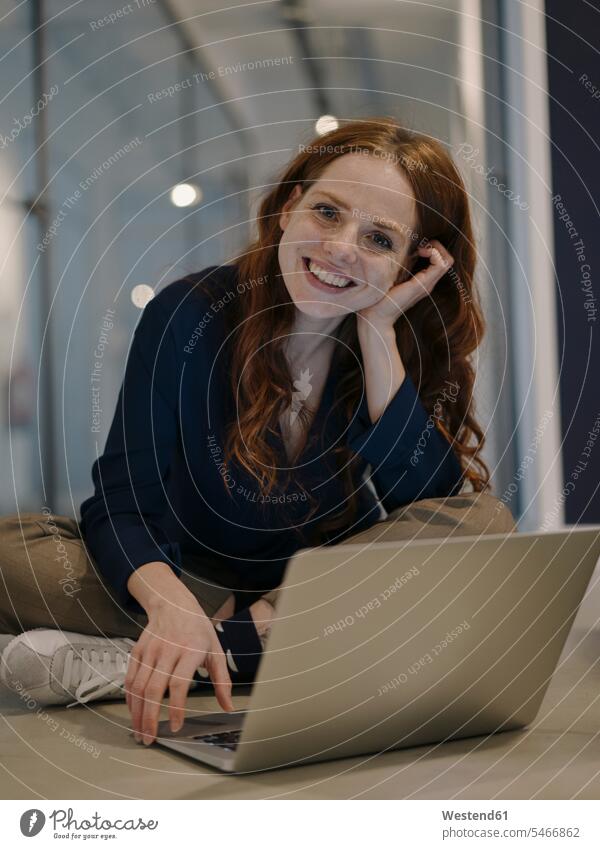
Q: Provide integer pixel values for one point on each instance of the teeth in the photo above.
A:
(326, 277)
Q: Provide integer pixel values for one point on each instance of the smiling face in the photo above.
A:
(339, 251)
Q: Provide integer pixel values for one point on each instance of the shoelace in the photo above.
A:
(97, 675)
(110, 669)
(105, 682)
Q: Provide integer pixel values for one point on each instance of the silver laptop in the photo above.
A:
(395, 644)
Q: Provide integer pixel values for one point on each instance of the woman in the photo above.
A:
(255, 396)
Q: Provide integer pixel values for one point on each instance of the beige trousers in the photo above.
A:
(48, 580)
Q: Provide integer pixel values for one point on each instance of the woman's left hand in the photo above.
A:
(402, 296)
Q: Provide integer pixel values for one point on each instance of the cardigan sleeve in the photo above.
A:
(121, 522)
(409, 457)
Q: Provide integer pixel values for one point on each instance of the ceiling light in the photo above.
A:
(185, 194)
(141, 295)
(326, 123)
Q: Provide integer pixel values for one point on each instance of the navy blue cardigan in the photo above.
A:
(161, 489)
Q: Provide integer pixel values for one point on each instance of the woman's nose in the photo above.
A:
(342, 249)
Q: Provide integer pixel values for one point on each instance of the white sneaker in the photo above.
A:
(54, 667)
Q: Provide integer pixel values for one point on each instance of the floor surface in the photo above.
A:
(85, 752)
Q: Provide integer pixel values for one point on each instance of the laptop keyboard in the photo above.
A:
(226, 740)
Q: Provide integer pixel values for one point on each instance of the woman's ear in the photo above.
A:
(284, 215)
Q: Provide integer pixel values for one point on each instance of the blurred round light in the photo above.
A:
(326, 123)
(185, 194)
(141, 295)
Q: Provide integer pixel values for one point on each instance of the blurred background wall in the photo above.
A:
(135, 142)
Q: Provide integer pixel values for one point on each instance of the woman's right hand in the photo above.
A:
(178, 638)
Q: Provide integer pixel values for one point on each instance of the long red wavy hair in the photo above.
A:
(436, 337)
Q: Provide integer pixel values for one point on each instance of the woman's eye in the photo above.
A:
(385, 243)
(323, 209)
